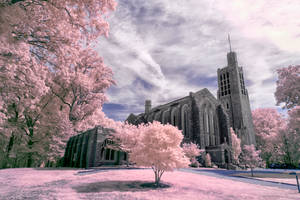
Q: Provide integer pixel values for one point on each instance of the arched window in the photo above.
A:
(165, 117)
(211, 129)
(184, 120)
(102, 153)
(107, 151)
(206, 121)
(174, 117)
(112, 154)
(150, 117)
(206, 126)
(157, 116)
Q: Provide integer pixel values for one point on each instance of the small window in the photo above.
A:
(227, 75)
(102, 153)
(227, 105)
(112, 154)
(107, 154)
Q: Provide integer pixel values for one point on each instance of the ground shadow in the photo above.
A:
(120, 186)
(56, 168)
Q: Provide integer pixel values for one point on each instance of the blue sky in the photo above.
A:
(163, 49)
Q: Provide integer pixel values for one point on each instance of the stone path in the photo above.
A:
(228, 174)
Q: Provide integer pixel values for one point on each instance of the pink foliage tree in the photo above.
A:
(158, 146)
(236, 147)
(251, 158)
(288, 93)
(288, 86)
(81, 90)
(269, 126)
(44, 47)
(191, 151)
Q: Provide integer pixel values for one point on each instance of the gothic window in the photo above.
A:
(109, 154)
(206, 129)
(150, 118)
(225, 84)
(184, 120)
(211, 128)
(163, 120)
(243, 90)
(112, 154)
(174, 117)
(157, 116)
(102, 153)
(165, 117)
(206, 122)
(107, 151)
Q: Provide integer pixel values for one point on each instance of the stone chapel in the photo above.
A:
(205, 119)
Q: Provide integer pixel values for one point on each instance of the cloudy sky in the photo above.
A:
(163, 49)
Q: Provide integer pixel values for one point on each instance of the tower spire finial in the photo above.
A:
(229, 42)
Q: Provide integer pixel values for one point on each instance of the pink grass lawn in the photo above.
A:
(125, 184)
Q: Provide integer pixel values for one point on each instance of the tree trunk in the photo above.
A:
(8, 149)
(251, 171)
(158, 173)
(29, 158)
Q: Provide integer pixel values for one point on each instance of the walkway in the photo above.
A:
(228, 174)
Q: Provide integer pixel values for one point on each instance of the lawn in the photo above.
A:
(128, 184)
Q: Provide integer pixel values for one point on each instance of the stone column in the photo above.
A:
(74, 151)
(78, 153)
(83, 157)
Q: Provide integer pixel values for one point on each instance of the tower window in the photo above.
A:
(225, 87)
(227, 105)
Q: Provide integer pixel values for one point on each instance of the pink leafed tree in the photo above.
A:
(236, 147)
(158, 147)
(269, 126)
(42, 44)
(81, 90)
(294, 118)
(191, 151)
(288, 93)
(251, 158)
(288, 86)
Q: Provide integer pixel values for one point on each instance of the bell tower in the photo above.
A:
(234, 97)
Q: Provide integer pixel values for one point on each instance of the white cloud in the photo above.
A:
(170, 44)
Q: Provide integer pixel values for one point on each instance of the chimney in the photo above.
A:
(147, 106)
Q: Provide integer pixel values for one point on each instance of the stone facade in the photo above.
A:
(206, 120)
(234, 96)
(93, 148)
